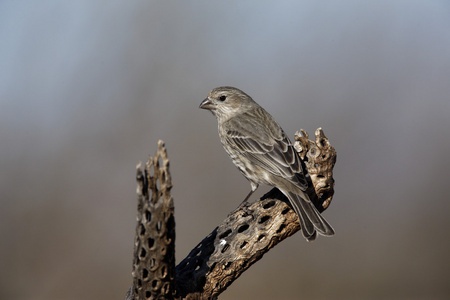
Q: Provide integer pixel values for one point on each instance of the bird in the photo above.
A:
(262, 152)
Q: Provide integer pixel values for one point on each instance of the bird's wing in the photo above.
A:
(263, 141)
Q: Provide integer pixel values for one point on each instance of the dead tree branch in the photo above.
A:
(232, 247)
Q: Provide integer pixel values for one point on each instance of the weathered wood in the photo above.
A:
(154, 248)
(238, 242)
(319, 157)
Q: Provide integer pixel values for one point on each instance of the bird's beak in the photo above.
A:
(207, 104)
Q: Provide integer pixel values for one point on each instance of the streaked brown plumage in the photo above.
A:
(262, 152)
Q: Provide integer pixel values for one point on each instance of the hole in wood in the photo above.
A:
(227, 265)
(196, 252)
(243, 244)
(165, 289)
(144, 273)
(243, 228)
(150, 242)
(225, 234)
(225, 248)
(264, 219)
(143, 253)
(148, 215)
(280, 229)
(212, 266)
(148, 294)
(285, 211)
(154, 283)
(141, 229)
(261, 237)
(269, 204)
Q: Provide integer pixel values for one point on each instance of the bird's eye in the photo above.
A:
(222, 98)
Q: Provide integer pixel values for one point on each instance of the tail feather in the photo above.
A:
(310, 219)
(305, 224)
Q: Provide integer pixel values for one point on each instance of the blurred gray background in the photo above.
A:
(88, 87)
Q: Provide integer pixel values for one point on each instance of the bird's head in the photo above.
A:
(226, 102)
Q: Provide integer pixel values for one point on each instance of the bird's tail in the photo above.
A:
(310, 219)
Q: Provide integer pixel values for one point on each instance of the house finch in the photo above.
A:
(260, 149)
